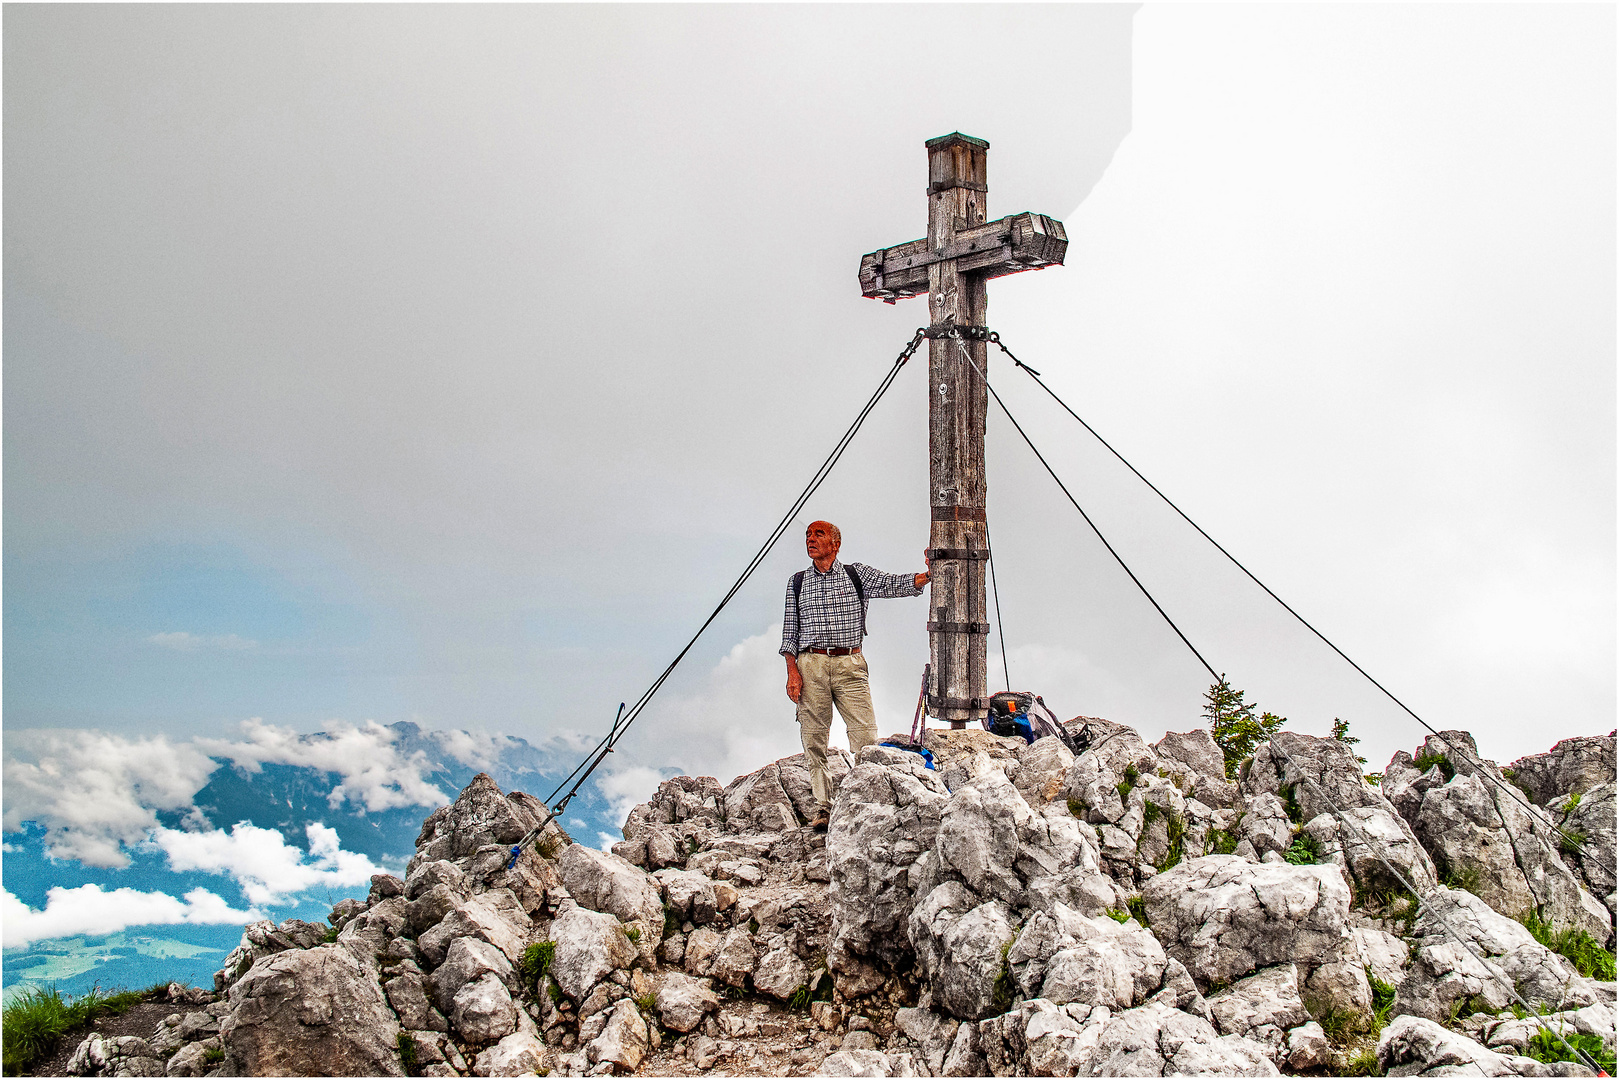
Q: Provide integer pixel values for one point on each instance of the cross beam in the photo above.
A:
(953, 265)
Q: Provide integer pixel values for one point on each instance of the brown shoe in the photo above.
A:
(821, 819)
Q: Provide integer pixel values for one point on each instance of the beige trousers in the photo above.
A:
(829, 681)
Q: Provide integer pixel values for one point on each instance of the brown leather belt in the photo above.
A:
(834, 652)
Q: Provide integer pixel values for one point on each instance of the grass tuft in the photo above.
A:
(799, 999)
(1363, 1064)
(646, 1002)
(1005, 992)
(1220, 842)
(35, 1021)
(633, 933)
(1078, 809)
(407, 1054)
(1118, 916)
(1580, 948)
(1290, 804)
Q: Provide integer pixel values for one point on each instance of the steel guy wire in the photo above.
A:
(1564, 837)
(622, 722)
(1116, 557)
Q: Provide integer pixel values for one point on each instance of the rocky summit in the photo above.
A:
(1013, 911)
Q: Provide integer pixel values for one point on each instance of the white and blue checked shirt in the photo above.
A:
(828, 614)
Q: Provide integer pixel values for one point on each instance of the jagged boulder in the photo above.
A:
(263, 939)
(961, 948)
(1083, 1040)
(1589, 818)
(623, 1041)
(1444, 972)
(1486, 840)
(309, 1012)
(885, 815)
(607, 883)
(682, 1001)
(1195, 759)
(1415, 1046)
(590, 945)
(1323, 773)
(115, 1055)
(1577, 764)
(1224, 917)
(493, 916)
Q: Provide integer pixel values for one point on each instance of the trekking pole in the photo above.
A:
(921, 697)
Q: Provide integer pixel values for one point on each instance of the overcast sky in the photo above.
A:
(447, 363)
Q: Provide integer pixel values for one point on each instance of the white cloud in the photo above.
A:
(374, 773)
(736, 721)
(262, 863)
(95, 792)
(181, 641)
(89, 910)
(627, 787)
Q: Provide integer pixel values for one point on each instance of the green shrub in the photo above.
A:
(1427, 760)
(1547, 1047)
(1382, 1002)
(1078, 809)
(536, 961)
(1454, 876)
(671, 922)
(1374, 779)
(1131, 775)
(1290, 804)
(633, 933)
(554, 990)
(1220, 842)
(753, 926)
(1340, 1024)
(1235, 729)
(1573, 801)
(1589, 958)
(1118, 916)
(1138, 909)
(646, 1002)
(1177, 840)
(330, 935)
(216, 1055)
(1569, 841)
(1306, 851)
(1151, 813)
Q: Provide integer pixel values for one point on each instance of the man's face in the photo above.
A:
(821, 541)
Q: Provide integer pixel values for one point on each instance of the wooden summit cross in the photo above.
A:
(953, 265)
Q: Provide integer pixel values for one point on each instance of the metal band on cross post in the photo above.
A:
(953, 265)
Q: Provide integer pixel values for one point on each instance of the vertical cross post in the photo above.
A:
(957, 403)
(953, 265)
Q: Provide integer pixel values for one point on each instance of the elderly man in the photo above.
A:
(820, 637)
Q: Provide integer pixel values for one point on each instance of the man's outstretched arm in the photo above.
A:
(879, 585)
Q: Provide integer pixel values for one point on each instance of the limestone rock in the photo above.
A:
(885, 815)
(1270, 997)
(691, 895)
(483, 1010)
(493, 916)
(961, 948)
(1577, 764)
(467, 959)
(310, 1012)
(856, 1063)
(1416, 1046)
(121, 1055)
(1043, 770)
(192, 1059)
(1480, 832)
(408, 995)
(1224, 917)
(734, 960)
(683, 1001)
(1308, 1048)
(518, 1054)
(590, 945)
(623, 1041)
(779, 972)
(606, 883)
(1444, 972)
(1155, 1040)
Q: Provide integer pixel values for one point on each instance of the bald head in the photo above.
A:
(822, 540)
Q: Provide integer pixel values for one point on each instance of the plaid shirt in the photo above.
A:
(828, 614)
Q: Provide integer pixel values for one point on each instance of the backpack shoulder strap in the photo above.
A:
(798, 586)
(854, 579)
